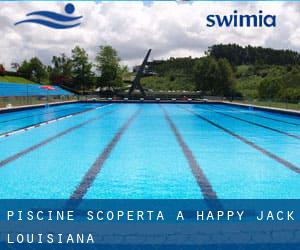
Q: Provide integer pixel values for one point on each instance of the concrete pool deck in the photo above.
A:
(32, 106)
(265, 108)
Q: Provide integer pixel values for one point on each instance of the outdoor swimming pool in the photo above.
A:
(173, 151)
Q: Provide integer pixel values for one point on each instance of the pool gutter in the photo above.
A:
(263, 108)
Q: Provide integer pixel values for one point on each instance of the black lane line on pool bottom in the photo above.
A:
(273, 119)
(283, 162)
(266, 117)
(36, 125)
(256, 124)
(203, 182)
(50, 139)
(94, 170)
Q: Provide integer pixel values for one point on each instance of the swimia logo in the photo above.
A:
(239, 20)
(54, 20)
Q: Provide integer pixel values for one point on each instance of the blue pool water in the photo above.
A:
(149, 151)
(17, 120)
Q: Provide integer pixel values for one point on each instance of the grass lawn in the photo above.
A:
(165, 83)
(15, 79)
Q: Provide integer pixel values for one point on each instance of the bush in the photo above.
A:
(2, 70)
(270, 88)
(172, 78)
(11, 73)
(290, 95)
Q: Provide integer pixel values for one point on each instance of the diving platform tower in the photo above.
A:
(136, 84)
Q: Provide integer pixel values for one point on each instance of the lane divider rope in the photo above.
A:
(255, 124)
(50, 139)
(17, 131)
(260, 149)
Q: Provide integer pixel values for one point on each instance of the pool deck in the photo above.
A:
(19, 108)
(263, 108)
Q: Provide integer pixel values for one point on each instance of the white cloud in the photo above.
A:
(169, 28)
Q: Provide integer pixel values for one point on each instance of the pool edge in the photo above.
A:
(242, 105)
(34, 106)
(263, 108)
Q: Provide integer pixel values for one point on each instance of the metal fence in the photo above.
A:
(14, 101)
(283, 104)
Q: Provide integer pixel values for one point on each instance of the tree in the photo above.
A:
(38, 70)
(33, 70)
(238, 55)
(225, 79)
(270, 88)
(61, 71)
(214, 76)
(108, 65)
(81, 69)
(205, 73)
(25, 69)
(2, 70)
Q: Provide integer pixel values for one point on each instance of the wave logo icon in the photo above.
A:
(54, 20)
